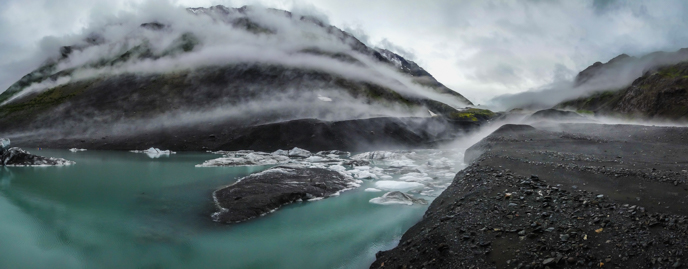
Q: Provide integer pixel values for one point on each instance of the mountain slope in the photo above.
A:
(238, 67)
(618, 73)
(661, 93)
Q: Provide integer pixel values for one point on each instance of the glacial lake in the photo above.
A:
(117, 209)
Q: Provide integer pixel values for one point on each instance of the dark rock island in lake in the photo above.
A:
(261, 193)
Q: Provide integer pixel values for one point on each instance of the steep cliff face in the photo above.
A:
(235, 66)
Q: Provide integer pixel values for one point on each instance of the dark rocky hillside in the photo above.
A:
(661, 93)
(322, 73)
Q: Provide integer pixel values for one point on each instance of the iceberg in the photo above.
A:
(281, 152)
(300, 153)
(4, 143)
(154, 152)
(76, 150)
(391, 185)
(383, 155)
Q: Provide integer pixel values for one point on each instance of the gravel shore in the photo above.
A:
(559, 196)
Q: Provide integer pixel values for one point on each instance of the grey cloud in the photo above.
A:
(358, 33)
(495, 46)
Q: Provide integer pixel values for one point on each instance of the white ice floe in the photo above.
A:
(372, 190)
(281, 152)
(337, 168)
(416, 177)
(300, 153)
(391, 185)
(316, 159)
(244, 158)
(383, 155)
(154, 152)
(4, 143)
(397, 198)
(76, 150)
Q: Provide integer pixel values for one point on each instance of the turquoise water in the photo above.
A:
(125, 210)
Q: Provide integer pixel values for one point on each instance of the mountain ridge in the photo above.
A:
(267, 69)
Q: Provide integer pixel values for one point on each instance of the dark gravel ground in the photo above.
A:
(559, 196)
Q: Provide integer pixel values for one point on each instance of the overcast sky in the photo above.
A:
(481, 49)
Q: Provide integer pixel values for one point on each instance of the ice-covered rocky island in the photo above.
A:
(397, 175)
(13, 156)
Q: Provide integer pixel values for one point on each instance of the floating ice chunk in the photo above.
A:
(250, 159)
(298, 152)
(4, 143)
(382, 155)
(334, 153)
(337, 168)
(391, 185)
(76, 150)
(324, 98)
(154, 152)
(364, 174)
(397, 197)
(281, 152)
(402, 163)
(316, 159)
(372, 190)
(415, 177)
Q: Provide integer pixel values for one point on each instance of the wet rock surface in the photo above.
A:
(261, 193)
(583, 196)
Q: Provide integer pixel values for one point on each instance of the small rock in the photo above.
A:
(548, 261)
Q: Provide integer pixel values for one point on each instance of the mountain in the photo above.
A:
(618, 73)
(661, 92)
(216, 69)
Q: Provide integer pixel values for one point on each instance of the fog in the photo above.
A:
(220, 43)
(616, 74)
(481, 49)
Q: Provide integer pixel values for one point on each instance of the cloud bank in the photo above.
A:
(481, 49)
